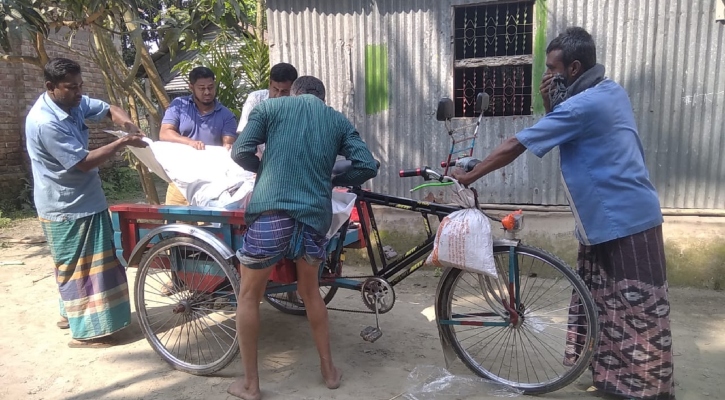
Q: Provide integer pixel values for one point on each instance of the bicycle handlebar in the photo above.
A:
(406, 173)
(424, 172)
(430, 174)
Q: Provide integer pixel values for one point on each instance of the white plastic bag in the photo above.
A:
(463, 239)
(342, 204)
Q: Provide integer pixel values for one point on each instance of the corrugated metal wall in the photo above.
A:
(667, 54)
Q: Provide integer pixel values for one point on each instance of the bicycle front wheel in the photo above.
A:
(193, 328)
(534, 332)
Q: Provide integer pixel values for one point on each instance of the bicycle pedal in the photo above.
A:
(371, 334)
(390, 253)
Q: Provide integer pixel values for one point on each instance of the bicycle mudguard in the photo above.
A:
(181, 230)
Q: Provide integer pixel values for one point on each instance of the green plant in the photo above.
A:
(120, 183)
(4, 222)
(25, 197)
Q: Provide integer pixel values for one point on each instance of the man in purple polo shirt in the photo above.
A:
(198, 120)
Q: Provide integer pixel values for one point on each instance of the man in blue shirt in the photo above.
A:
(617, 213)
(197, 120)
(72, 207)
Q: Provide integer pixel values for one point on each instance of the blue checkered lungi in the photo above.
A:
(274, 236)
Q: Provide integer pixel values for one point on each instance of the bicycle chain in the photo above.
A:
(350, 310)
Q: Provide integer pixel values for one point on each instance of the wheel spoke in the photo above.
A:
(537, 341)
(194, 336)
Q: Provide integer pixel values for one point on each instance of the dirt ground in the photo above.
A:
(37, 364)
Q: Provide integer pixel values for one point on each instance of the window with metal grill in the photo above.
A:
(493, 53)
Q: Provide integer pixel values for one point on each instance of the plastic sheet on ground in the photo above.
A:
(428, 382)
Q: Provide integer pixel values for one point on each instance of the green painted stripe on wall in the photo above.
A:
(376, 78)
(539, 54)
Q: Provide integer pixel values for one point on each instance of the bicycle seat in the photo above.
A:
(342, 166)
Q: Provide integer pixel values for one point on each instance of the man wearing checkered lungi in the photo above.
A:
(291, 209)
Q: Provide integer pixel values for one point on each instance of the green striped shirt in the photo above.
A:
(303, 137)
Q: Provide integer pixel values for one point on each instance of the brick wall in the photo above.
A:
(23, 84)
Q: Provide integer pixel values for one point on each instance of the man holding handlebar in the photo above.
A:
(617, 212)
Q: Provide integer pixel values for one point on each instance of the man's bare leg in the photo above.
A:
(253, 284)
(308, 287)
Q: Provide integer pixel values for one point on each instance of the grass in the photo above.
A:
(121, 183)
(4, 221)
(9, 219)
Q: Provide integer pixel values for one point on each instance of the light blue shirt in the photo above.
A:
(56, 142)
(602, 162)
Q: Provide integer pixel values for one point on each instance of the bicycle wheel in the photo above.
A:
(552, 342)
(194, 327)
(291, 302)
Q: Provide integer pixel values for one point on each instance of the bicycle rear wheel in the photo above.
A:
(552, 342)
(291, 302)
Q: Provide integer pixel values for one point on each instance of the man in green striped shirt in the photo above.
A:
(291, 209)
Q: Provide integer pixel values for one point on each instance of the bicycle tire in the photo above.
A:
(293, 305)
(296, 307)
(444, 311)
(197, 301)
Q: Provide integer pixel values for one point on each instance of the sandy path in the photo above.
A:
(37, 364)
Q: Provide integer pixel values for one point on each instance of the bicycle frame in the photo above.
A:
(395, 271)
(413, 259)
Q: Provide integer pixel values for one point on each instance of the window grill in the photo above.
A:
(493, 53)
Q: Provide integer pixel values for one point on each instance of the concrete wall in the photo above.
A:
(694, 246)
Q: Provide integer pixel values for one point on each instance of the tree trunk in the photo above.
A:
(261, 11)
(153, 119)
(147, 182)
(107, 57)
(40, 48)
(157, 84)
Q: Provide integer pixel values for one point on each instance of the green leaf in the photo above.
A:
(237, 10)
(218, 9)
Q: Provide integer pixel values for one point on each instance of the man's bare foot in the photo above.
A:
(333, 379)
(239, 388)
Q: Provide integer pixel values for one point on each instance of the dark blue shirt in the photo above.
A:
(208, 129)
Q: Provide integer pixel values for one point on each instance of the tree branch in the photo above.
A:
(40, 48)
(96, 24)
(151, 72)
(21, 59)
(134, 70)
(102, 56)
(71, 50)
(91, 19)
